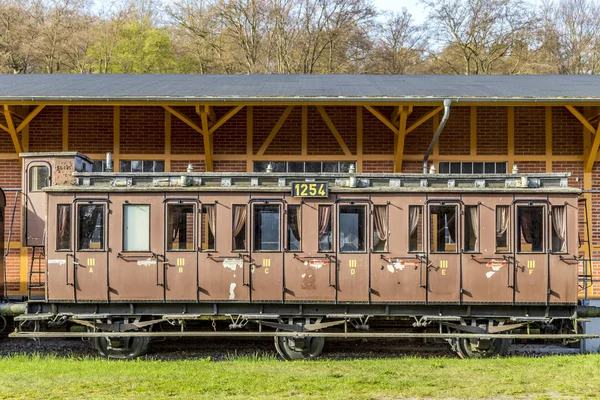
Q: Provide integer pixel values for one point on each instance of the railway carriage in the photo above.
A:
(474, 259)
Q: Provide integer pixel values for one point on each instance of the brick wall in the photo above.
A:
(377, 138)
(530, 130)
(456, 137)
(91, 129)
(492, 130)
(142, 130)
(45, 130)
(567, 133)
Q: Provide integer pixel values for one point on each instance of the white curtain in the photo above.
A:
(502, 220)
(136, 224)
(474, 226)
(559, 216)
(413, 219)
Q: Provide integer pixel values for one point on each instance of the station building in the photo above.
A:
(304, 123)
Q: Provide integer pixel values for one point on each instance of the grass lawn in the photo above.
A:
(47, 377)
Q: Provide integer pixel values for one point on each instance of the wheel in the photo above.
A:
(481, 348)
(121, 348)
(299, 349)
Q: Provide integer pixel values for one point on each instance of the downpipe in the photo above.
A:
(588, 311)
(438, 132)
(12, 309)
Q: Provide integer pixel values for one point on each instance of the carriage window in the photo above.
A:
(559, 229)
(380, 228)
(530, 229)
(266, 227)
(63, 227)
(415, 228)
(136, 227)
(39, 178)
(325, 242)
(180, 227)
(352, 229)
(443, 229)
(502, 229)
(239, 228)
(293, 228)
(209, 221)
(471, 228)
(91, 227)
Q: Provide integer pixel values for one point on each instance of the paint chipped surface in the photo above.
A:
(232, 264)
(60, 262)
(489, 274)
(232, 291)
(396, 265)
(146, 262)
(308, 279)
(495, 265)
(316, 264)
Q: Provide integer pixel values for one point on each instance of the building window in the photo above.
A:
(209, 222)
(91, 227)
(415, 228)
(266, 228)
(530, 229)
(294, 228)
(352, 229)
(136, 227)
(301, 166)
(180, 227)
(63, 227)
(443, 229)
(39, 178)
(446, 167)
(141, 166)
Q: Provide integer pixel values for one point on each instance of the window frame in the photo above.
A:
(195, 233)
(36, 165)
(214, 205)
(104, 215)
(125, 205)
(365, 233)
(70, 249)
(253, 226)
(387, 234)
(247, 219)
(423, 230)
(477, 249)
(287, 230)
(544, 228)
(457, 227)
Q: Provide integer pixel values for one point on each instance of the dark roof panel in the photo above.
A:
(300, 87)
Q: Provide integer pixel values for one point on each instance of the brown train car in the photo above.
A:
(474, 259)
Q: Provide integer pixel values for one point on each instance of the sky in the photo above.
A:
(413, 6)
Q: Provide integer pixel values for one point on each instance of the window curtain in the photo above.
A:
(294, 223)
(62, 220)
(559, 224)
(210, 213)
(473, 214)
(239, 219)
(413, 219)
(175, 222)
(502, 220)
(526, 224)
(450, 217)
(380, 221)
(324, 219)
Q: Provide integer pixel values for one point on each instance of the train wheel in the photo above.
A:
(121, 348)
(299, 348)
(481, 348)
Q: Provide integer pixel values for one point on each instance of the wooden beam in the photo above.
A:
(548, 126)
(11, 129)
(274, 131)
(333, 130)
(65, 128)
(382, 118)
(359, 139)
(423, 119)
(304, 147)
(473, 130)
(116, 139)
(249, 138)
(581, 118)
(511, 137)
(224, 119)
(399, 154)
(207, 142)
(167, 141)
(185, 119)
(29, 117)
(591, 156)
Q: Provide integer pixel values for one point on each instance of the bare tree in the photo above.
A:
(17, 30)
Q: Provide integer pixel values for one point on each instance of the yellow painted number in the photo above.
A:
(312, 189)
(321, 191)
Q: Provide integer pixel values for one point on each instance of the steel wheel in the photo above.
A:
(121, 348)
(299, 349)
(481, 348)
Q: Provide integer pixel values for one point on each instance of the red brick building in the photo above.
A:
(233, 123)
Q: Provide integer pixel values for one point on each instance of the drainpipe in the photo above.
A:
(13, 309)
(440, 128)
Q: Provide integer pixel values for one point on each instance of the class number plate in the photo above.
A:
(310, 189)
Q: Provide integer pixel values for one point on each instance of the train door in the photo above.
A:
(224, 261)
(443, 250)
(309, 262)
(266, 247)
(563, 232)
(531, 250)
(397, 258)
(182, 217)
(352, 249)
(38, 175)
(136, 270)
(60, 269)
(90, 256)
(487, 265)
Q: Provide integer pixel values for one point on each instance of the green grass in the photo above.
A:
(47, 377)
